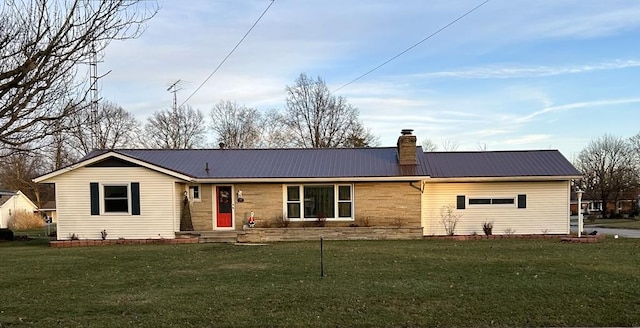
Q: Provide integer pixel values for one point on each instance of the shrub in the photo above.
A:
(322, 219)
(449, 219)
(363, 221)
(280, 222)
(6, 234)
(25, 220)
(265, 224)
(487, 227)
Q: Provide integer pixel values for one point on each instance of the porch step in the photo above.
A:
(218, 236)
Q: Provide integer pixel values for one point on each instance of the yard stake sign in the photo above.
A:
(321, 260)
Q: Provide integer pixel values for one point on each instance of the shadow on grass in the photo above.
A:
(21, 241)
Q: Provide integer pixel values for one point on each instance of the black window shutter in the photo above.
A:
(461, 202)
(95, 198)
(135, 198)
(522, 201)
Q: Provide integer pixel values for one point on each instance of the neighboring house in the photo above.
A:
(14, 202)
(138, 193)
(48, 211)
(592, 205)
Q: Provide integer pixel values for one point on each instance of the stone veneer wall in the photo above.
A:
(258, 235)
(202, 210)
(264, 199)
(376, 204)
(388, 204)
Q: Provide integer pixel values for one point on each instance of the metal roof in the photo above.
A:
(49, 205)
(4, 199)
(349, 162)
(529, 163)
(280, 163)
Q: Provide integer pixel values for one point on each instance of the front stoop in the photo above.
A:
(227, 236)
(262, 235)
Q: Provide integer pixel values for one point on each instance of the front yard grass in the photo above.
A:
(42, 232)
(507, 282)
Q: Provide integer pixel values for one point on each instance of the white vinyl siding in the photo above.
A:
(17, 203)
(547, 207)
(157, 208)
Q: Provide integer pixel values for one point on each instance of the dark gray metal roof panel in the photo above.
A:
(280, 163)
(499, 164)
(4, 199)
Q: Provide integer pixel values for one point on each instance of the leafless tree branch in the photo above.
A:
(43, 44)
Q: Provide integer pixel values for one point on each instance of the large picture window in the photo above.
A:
(311, 202)
(116, 198)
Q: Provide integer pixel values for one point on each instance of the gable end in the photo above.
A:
(113, 162)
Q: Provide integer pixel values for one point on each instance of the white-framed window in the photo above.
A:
(595, 206)
(194, 192)
(492, 201)
(115, 198)
(319, 201)
(519, 201)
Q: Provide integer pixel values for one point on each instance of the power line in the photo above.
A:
(229, 54)
(413, 46)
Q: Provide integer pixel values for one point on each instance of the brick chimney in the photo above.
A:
(407, 148)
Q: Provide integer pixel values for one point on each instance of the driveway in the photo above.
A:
(627, 233)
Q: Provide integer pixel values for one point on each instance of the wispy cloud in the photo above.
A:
(527, 139)
(577, 105)
(502, 72)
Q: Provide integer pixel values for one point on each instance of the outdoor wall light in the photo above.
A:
(239, 196)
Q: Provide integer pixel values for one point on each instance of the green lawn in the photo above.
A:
(36, 232)
(446, 283)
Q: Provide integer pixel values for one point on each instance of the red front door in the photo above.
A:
(223, 202)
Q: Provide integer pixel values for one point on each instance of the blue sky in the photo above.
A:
(544, 74)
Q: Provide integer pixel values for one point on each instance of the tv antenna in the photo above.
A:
(174, 88)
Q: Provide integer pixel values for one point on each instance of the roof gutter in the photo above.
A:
(311, 180)
(506, 179)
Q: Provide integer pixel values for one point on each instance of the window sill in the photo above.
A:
(316, 220)
(115, 213)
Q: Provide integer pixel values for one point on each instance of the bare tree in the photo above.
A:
(59, 152)
(450, 144)
(429, 145)
(481, 146)
(180, 128)
(275, 132)
(361, 137)
(43, 44)
(608, 168)
(634, 143)
(236, 126)
(114, 127)
(17, 171)
(319, 119)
